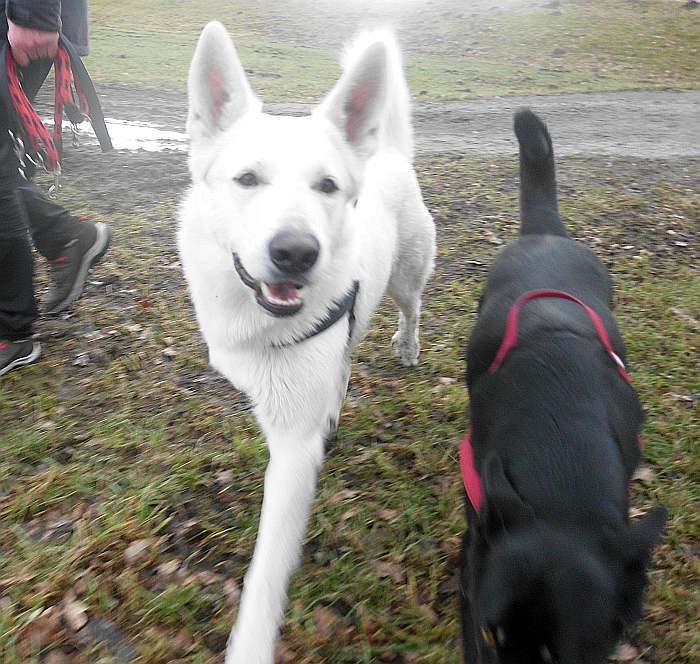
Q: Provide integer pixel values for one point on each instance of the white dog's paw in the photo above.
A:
(406, 349)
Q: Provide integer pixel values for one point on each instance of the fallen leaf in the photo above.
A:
(207, 578)
(283, 655)
(181, 643)
(624, 653)
(9, 581)
(136, 551)
(79, 588)
(224, 477)
(644, 474)
(686, 316)
(342, 495)
(445, 380)
(387, 514)
(81, 360)
(232, 592)
(384, 569)
(326, 622)
(75, 614)
(41, 631)
(429, 614)
(687, 398)
(167, 569)
(636, 512)
(451, 547)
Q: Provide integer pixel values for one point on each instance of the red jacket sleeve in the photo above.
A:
(35, 14)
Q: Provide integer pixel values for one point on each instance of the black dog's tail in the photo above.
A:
(539, 208)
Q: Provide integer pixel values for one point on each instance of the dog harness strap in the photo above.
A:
(510, 338)
(472, 480)
(470, 475)
(345, 306)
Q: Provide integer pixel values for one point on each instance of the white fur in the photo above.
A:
(376, 230)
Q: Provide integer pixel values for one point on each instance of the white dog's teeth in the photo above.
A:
(267, 293)
(284, 303)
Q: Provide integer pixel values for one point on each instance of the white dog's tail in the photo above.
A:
(395, 129)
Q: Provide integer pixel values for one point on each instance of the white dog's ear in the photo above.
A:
(218, 89)
(357, 102)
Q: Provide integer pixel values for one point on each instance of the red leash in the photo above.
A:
(470, 475)
(40, 141)
(31, 139)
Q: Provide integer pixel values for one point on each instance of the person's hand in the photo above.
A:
(28, 44)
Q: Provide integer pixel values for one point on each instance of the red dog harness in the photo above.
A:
(472, 480)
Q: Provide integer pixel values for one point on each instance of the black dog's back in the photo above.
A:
(543, 257)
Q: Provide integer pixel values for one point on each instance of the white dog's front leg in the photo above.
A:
(290, 486)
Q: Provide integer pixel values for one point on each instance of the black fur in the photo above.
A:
(552, 567)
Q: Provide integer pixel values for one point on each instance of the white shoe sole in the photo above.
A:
(21, 361)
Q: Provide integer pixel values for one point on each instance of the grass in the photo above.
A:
(454, 52)
(138, 445)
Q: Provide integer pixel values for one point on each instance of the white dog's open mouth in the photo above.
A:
(282, 298)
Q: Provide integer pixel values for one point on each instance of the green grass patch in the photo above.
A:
(453, 51)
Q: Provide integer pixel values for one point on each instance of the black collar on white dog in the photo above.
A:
(345, 306)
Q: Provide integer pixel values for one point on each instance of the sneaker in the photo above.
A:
(69, 271)
(15, 354)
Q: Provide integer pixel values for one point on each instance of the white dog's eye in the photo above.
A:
(327, 186)
(248, 179)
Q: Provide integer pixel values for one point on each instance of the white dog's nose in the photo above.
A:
(294, 252)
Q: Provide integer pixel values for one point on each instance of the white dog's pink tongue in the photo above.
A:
(283, 292)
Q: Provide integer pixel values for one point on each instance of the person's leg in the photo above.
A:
(17, 305)
(18, 309)
(72, 247)
(51, 225)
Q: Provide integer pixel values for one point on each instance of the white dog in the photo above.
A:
(293, 230)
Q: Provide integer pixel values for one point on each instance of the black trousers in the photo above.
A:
(25, 213)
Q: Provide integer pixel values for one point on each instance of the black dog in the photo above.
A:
(552, 568)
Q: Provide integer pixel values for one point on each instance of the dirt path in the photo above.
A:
(652, 125)
(657, 124)
(649, 124)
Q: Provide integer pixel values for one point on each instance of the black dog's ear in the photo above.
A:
(504, 509)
